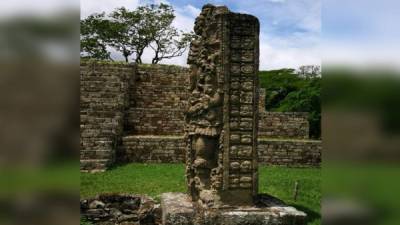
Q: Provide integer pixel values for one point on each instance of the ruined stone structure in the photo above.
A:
(135, 113)
(145, 123)
(106, 209)
(210, 116)
(104, 91)
(157, 101)
(222, 114)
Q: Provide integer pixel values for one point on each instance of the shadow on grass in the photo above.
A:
(120, 163)
(311, 214)
(116, 165)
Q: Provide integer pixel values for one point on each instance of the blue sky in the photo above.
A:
(289, 34)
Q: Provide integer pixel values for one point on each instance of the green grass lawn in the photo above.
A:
(155, 179)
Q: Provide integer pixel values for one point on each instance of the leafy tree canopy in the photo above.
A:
(131, 32)
(288, 90)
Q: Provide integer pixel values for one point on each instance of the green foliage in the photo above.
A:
(155, 179)
(93, 44)
(291, 91)
(131, 32)
(168, 44)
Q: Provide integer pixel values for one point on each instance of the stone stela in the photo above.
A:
(222, 128)
(222, 114)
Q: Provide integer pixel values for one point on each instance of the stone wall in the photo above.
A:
(152, 149)
(119, 101)
(289, 152)
(171, 149)
(284, 125)
(261, 100)
(104, 96)
(158, 100)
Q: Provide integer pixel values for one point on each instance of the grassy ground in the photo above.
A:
(154, 179)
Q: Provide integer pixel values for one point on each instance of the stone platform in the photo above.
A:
(178, 209)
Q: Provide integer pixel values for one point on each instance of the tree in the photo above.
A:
(124, 33)
(306, 99)
(278, 84)
(169, 44)
(156, 20)
(93, 41)
(291, 91)
(131, 32)
(309, 71)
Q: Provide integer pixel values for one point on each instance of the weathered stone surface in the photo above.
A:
(178, 209)
(297, 153)
(152, 149)
(267, 216)
(171, 149)
(103, 93)
(120, 209)
(285, 125)
(157, 100)
(222, 108)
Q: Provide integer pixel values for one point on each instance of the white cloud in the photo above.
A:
(97, 6)
(312, 20)
(290, 31)
(244, 12)
(193, 11)
(185, 17)
(276, 53)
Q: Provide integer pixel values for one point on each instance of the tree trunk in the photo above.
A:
(126, 55)
(156, 59)
(139, 56)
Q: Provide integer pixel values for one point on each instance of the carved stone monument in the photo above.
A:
(221, 128)
(222, 116)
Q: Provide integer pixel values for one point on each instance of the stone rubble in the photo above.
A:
(124, 209)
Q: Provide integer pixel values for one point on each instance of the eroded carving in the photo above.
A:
(204, 113)
(222, 101)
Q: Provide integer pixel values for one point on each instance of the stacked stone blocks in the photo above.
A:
(117, 118)
(104, 90)
(158, 100)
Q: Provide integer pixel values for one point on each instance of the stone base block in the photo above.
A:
(178, 209)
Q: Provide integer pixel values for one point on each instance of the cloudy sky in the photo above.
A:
(356, 32)
(290, 29)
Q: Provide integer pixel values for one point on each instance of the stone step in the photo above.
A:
(151, 137)
(96, 154)
(94, 165)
